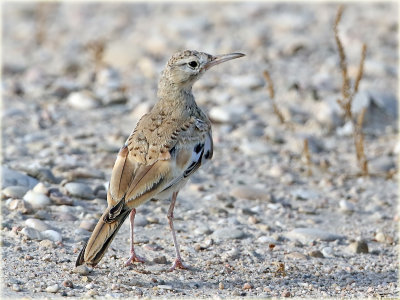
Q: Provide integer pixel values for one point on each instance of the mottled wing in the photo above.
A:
(133, 182)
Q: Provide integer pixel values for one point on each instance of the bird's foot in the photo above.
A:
(178, 264)
(134, 258)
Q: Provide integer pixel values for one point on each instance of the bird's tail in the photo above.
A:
(101, 237)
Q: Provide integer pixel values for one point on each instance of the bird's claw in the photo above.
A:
(178, 264)
(134, 258)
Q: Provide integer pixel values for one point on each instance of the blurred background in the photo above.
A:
(76, 77)
(59, 58)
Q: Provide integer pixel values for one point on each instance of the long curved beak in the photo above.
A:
(218, 59)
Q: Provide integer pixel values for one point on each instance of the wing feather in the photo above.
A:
(121, 176)
(135, 180)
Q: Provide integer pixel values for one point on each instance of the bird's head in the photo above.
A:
(185, 67)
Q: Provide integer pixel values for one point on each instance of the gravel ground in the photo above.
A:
(262, 219)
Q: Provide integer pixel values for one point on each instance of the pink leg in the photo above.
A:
(178, 260)
(134, 257)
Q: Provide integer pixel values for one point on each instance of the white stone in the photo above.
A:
(52, 235)
(80, 190)
(53, 288)
(304, 194)
(346, 206)
(19, 205)
(37, 200)
(15, 191)
(346, 129)
(37, 224)
(31, 234)
(307, 235)
(41, 188)
(11, 177)
(82, 100)
(327, 252)
(266, 240)
(164, 287)
(228, 233)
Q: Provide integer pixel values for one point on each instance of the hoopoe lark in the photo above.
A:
(167, 146)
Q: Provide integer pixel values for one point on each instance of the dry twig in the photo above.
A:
(346, 100)
(347, 97)
(271, 91)
(280, 268)
(96, 49)
(359, 143)
(307, 156)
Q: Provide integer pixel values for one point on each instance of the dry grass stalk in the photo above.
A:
(360, 69)
(346, 100)
(96, 49)
(280, 269)
(307, 156)
(347, 96)
(271, 91)
(359, 143)
(41, 12)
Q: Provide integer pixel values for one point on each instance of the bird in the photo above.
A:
(167, 146)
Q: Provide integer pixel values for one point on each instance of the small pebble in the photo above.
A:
(91, 293)
(160, 260)
(40, 188)
(68, 283)
(47, 244)
(52, 288)
(80, 190)
(15, 178)
(285, 294)
(247, 286)
(14, 191)
(31, 234)
(359, 247)
(231, 254)
(225, 233)
(37, 200)
(250, 193)
(16, 288)
(21, 206)
(383, 238)
(89, 286)
(266, 239)
(346, 206)
(327, 252)
(221, 286)
(82, 270)
(316, 253)
(307, 235)
(304, 194)
(296, 255)
(164, 287)
(82, 100)
(37, 224)
(52, 235)
(152, 220)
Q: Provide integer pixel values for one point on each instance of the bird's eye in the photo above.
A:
(193, 64)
